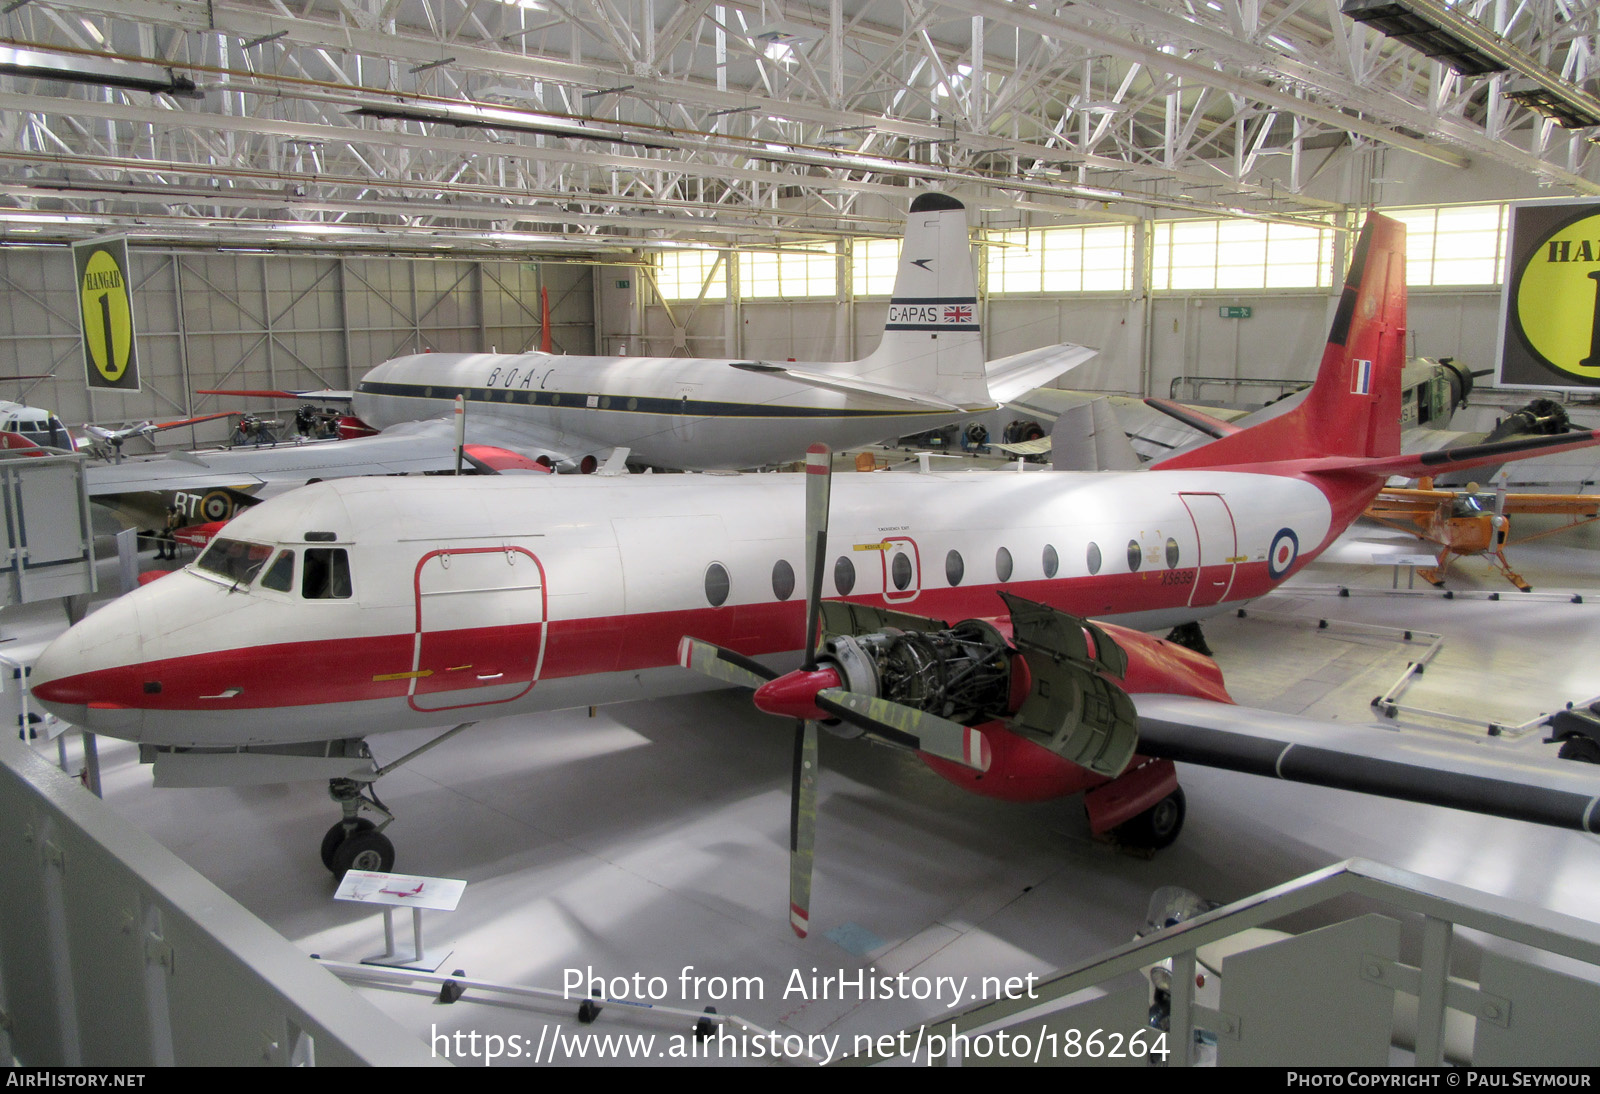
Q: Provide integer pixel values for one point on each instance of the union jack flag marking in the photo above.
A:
(959, 313)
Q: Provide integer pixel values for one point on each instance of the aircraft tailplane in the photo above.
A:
(1353, 409)
(932, 341)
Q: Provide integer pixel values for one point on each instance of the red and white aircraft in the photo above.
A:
(360, 606)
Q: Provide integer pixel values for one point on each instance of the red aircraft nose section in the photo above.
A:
(795, 695)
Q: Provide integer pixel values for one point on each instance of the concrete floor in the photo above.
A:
(651, 839)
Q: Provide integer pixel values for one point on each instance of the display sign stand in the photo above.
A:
(393, 891)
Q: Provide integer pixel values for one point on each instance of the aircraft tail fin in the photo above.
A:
(932, 341)
(1353, 409)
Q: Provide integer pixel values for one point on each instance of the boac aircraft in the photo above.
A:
(355, 607)
(706, 414)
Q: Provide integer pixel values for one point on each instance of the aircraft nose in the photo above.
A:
(89, 675)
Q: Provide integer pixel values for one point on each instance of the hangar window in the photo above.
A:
(1135, 555)
(782, 580)
(1454, 245)
(1213, 253)
(1061, 260)
(1094, 558)
(954, 568)
(717, 584)
(873, 266)
(326, 574)
(1052, 561)
(788, 274)
(844, 575)
(680, 275)
(1002, 564)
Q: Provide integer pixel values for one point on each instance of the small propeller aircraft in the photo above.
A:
(1471, 522)
(359, 606)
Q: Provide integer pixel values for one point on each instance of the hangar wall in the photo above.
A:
(272, 321)
(1186, 336)
(1283, 338)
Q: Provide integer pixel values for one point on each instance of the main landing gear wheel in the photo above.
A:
(1156, 827)
(1584, 749)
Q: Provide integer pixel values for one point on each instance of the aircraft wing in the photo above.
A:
(407, 449)
(1014, 376)
(1488, 775)
(849, 385)
(320, 395)
(1409, 500)
(1154, 435)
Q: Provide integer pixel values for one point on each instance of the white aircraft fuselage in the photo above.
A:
(668, 411)
(469, 599)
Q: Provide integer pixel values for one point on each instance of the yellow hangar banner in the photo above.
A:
(105, 306)
(1550, 300)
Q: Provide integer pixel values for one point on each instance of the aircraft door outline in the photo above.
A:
(897, 547)
(1217, 547)
(453, 665)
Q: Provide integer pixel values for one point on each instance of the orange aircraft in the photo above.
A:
(1473, 522)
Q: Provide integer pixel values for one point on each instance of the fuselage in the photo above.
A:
(679, 412)
(365, 605)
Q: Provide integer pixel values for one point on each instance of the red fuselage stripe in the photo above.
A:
(342, 670)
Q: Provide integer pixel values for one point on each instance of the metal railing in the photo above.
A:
(1524, 1013)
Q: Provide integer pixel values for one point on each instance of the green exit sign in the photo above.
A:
(1234, 312)
(624, 285)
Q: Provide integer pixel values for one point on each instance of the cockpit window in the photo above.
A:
(234, 560)
(280, 575)
(50, 433)
(325, 574)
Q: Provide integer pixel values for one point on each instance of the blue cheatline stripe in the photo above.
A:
(619, 404)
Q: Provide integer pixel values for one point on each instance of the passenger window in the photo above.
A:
(280, 575)
(1002, 565)
(326, 574)
(717, 584)
(1172, 554)
(954, 568)
(844, 575)
(1135, 555)
(782, 579)
(1094, 558)
(900, 571)
(1052, 561)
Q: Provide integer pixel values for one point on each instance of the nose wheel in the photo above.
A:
(356, 843)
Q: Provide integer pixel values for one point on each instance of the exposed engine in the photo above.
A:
(962, 673)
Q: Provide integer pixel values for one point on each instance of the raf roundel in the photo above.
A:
(1285, 549)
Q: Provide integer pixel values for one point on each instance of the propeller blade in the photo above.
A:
(909, 727)
(802, 825)
(819, 484)
(720, 664)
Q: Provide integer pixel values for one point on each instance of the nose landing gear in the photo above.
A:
(356, 843)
